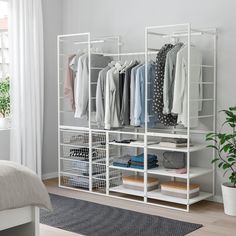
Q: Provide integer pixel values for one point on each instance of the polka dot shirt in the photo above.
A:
(167, 120)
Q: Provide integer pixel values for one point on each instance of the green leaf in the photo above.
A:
(215, 160)
(226, 166)
(220, 165)
(226, 147)
(231, 159)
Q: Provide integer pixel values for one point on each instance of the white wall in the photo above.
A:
(128, 19)
(52, 16)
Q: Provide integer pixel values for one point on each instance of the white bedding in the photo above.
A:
(19, 187)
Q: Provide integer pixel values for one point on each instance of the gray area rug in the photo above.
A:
(93, 219)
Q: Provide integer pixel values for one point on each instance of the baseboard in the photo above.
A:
(217, 198)
(50, 175)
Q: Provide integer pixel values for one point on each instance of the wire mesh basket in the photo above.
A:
(83, 182)
(79, 138)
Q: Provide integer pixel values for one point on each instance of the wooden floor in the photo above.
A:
(207, 213)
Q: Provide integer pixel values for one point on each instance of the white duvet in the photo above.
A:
(19, 187)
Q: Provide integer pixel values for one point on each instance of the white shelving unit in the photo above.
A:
(96, 171)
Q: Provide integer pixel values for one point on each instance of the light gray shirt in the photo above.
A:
(180, 101)
(112, 100)
(101, 96)
(82, 84)
(168, 87)
(132, 92)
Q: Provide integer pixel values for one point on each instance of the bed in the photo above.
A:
(21, 195)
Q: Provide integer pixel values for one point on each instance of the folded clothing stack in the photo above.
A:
(123, 161)
(179, 189)
(137, 182)
(82, 153)
(173, 142)
(138, 161)
(125, 141)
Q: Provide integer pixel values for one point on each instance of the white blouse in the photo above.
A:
(180, 100)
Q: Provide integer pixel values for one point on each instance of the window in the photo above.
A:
(4, 43)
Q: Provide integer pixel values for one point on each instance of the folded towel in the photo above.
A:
(135, 163)
(121, 164)
(140, 158)
(142, 167)
(174, 140)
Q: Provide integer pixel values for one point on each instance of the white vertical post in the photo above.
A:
(89, 117)
(118, 46)
(118, 51)
(214, 108)
(58, 104)
(107, 164)
(188, 122)
(146, 117)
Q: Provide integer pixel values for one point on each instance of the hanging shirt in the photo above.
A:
(112, 100)
(121, 86)
(180, 101)
(125, 109)
(74, 68)
(82, 84)
(132, 92)
(167, 120)
(69, 84)
(139, 106)
(101, 96)
(168, 87)
(81, 90)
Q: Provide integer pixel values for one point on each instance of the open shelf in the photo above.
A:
(122, 189)
(127, 144)
(194, 148)
(156, 194)
(194, 172)
(126, 168)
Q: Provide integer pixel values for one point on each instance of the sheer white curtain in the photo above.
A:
(27, 76)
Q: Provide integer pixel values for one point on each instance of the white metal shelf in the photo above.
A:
(194, 148)
(193, 173)
(127, 144)
(76, 128)
(71, 158)
(156, 194)
(97, 147)
(73, 173)
(124, 190)
(167, 135)
(126, 168)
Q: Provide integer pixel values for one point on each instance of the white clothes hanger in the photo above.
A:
(112, 63)
(118, 66)
(124, 66)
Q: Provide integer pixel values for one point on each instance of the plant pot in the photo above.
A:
(229, 199)
(4, 123)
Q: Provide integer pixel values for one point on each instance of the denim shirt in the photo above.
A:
(139, 108)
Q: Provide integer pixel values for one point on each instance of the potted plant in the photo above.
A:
(225, 145)
(4, 103)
